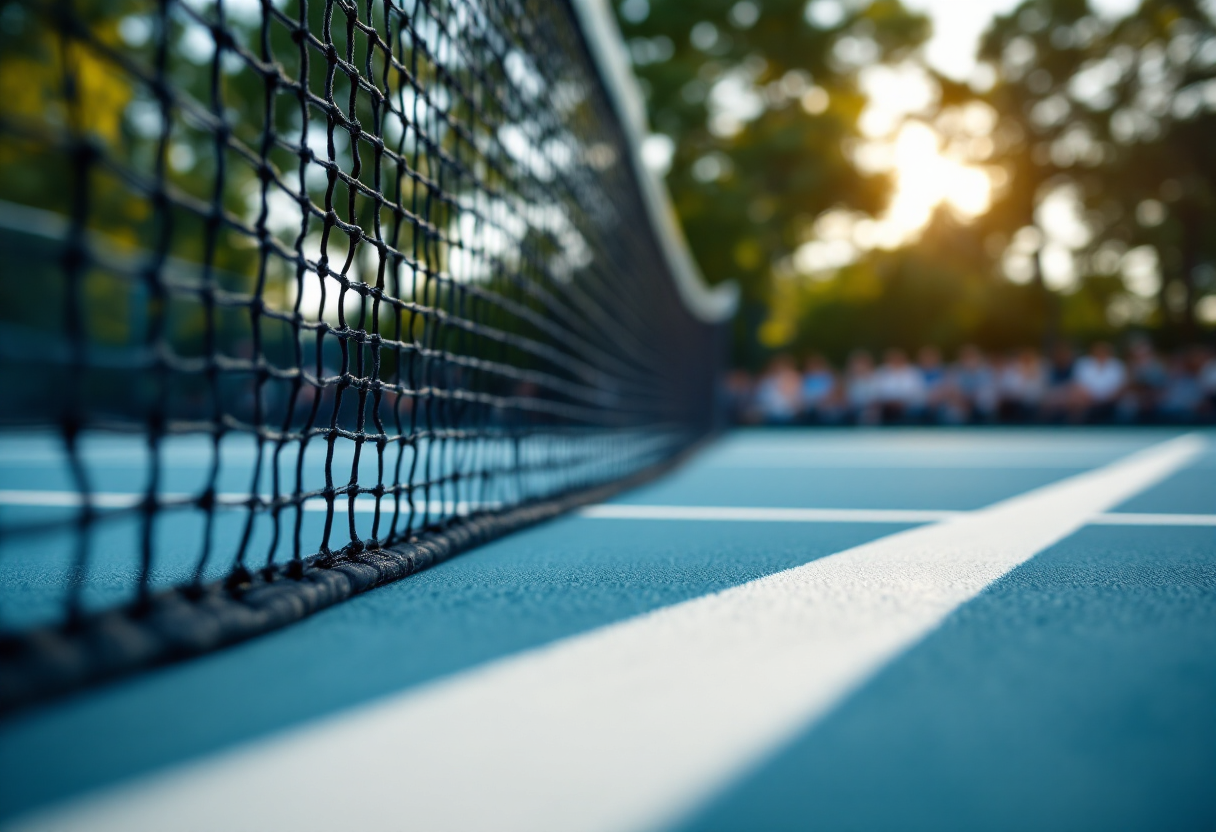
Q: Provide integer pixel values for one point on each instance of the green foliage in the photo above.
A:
(1117, 112)
(747, 190)
(937, 292)
(1121, 114)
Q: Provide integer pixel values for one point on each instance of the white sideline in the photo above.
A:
(747, 514)
(630, 726)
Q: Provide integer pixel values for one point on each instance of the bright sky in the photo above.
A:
(958, 24)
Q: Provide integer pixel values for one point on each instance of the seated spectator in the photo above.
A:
(779, 392)
(861, 389)
(997, 366)
(932, 369)
(819, 395)
(1146, 386)
(1023, 387)
(1059, 400)
(1205, 357)
(1181, 397)
(1100, 378)
(937, 386)
(738, 391)
(900, 388)
(974, 388)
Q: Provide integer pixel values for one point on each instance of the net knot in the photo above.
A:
(206, 500)
(74, 258)
(239, 578)
(223, 37)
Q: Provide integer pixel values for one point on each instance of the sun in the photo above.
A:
(936, 157)
(926, 178)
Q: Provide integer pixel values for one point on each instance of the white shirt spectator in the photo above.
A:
(974, 381)
(863, 390)
(902, 385)
(779, 393)
(1101, 379)
(1024, 381)
(861, 387)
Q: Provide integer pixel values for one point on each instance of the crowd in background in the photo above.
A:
(1100, 386)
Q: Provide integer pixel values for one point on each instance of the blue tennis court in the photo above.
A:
(607, 416)
(797, 629)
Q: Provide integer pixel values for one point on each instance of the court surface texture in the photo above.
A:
(903, 630)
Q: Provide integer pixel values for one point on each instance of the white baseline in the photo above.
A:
(631, 726)
(748, 514)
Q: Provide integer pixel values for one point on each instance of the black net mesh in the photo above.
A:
(299, 289)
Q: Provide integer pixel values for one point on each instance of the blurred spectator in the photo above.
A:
(1100, 379)
(900, 388)
(778, 396)
(861, 389)
(933, 371)
(738, 395)
(1206, 358)
(1060, 395)
(1146, 386)
(974, 388)
(819, 399)
(1182, 392)
(1023, 388)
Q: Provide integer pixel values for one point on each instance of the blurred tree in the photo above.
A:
(941, 291)
(1032, 67)
(761, 101)
(1159, 66)
(1111, 120)
(1122, 116)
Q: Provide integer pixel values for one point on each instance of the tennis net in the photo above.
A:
(302, 296)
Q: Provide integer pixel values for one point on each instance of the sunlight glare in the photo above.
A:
(926, 178)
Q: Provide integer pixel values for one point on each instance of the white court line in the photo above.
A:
(69, 499)
(793, 462)
(1140, 519)
(622, 511)
(120, 500)
(630, 726)
(746, 514)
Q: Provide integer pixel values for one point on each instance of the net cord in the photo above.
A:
(711, 304)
